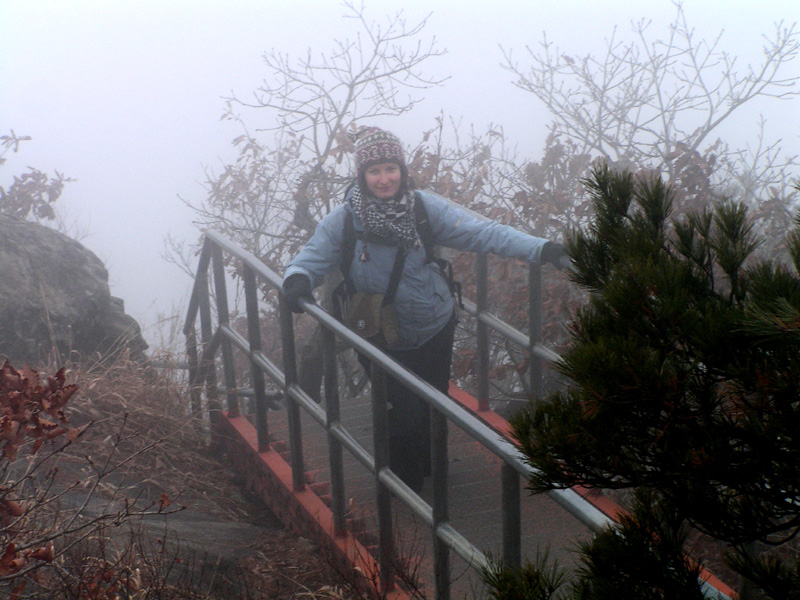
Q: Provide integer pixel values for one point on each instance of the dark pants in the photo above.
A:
(409, 415)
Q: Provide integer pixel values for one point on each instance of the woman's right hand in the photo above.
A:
(295, 287)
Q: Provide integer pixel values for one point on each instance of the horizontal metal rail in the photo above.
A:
(509, 332)
(314, 410)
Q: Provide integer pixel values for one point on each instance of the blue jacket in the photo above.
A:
(423, 303)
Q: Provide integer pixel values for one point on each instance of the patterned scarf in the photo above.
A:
(391, 220)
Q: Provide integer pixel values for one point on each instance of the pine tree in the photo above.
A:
(685, 383)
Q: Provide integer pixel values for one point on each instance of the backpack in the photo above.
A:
(425, 231)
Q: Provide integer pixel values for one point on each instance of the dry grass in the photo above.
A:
(141, 415)
(139, 408)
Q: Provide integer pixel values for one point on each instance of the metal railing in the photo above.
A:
(202, 371)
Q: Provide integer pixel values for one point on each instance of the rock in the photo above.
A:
(54, 293)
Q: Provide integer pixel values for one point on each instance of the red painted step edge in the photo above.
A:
(270, 476)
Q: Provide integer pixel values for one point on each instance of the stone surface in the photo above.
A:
(54, 293)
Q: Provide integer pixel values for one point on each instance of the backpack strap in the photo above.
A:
(426, 236)
(424, 228)
(394, 278)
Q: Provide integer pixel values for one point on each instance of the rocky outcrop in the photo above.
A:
(54, 294)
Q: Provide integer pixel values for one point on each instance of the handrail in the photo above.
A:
(506, 330)
(445, 536)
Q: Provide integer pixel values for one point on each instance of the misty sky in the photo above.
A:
(125, 96)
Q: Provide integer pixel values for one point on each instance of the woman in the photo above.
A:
(381, 205)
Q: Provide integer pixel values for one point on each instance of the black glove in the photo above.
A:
(556, 255)
(295, 287)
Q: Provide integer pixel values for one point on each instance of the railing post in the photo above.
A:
(223, 316)
(380, 432)
(512, 520)
(441, 513)
(208, 366)
(254, 340)
(292, 409)
(746, 589)
(482, 330)
(332, 416)
(535, 320)
(194, 385)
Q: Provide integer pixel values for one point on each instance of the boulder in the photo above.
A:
(54, 294)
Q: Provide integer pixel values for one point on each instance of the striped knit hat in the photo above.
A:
(375, 146)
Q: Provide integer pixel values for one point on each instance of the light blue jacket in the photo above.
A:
(423, 303)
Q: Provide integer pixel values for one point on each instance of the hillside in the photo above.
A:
(139, 451)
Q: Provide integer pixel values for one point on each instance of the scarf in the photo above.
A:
(390, 220)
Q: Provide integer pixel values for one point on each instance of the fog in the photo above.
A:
(126, 97)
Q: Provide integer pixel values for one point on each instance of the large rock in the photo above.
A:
(54, 293)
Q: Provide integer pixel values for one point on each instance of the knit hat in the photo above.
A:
(375, 146)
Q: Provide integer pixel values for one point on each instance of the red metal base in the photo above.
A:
(270, 477)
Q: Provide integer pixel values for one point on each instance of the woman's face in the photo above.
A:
(383, 180)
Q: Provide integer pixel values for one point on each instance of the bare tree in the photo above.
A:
(642, 105)
(292, 169)
(661, 103)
